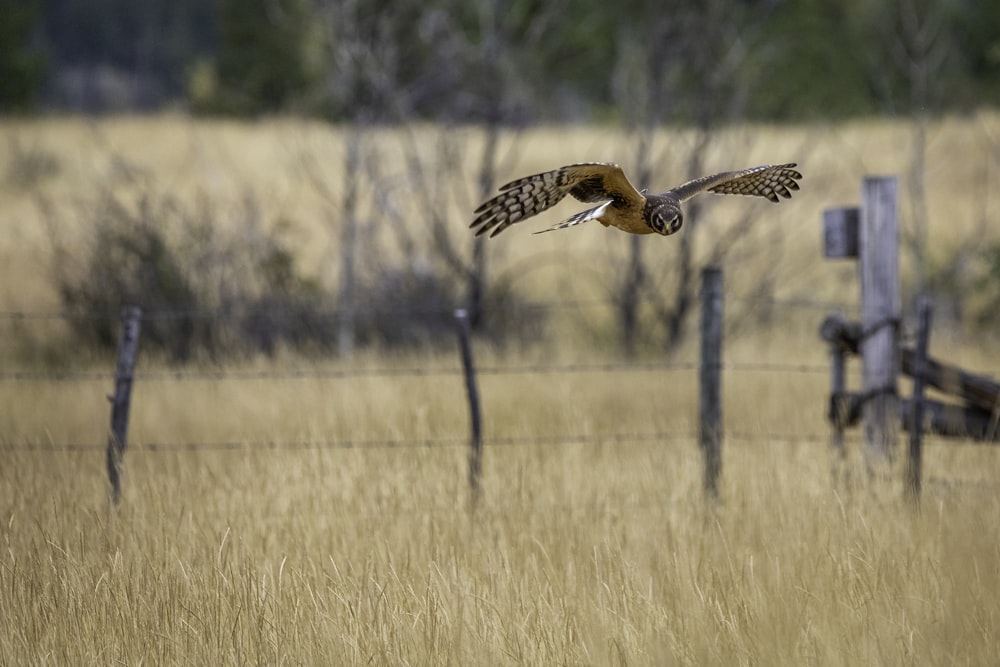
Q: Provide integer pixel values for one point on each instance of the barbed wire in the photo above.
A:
(16, 375)
(224, 375)
(423, 443)
(402, 444)
(229, 314)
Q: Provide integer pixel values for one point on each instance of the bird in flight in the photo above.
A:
(622, 205)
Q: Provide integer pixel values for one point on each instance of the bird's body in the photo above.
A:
(623, 206)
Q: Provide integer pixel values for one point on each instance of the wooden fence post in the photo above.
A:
(838, 389)
(919, 371)
(710, 378)
(472, 392)
(879, 260)
(128, 346)
(840, 241)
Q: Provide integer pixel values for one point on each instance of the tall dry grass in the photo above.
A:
(274, 547)
(50, 170)
(578, 554)
(279, 547)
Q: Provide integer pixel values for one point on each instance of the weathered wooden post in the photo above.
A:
(472, 392)
(128, 346)
(913, 468)
(838, 389)
(710, 378)
(879, 268)
(840, 241)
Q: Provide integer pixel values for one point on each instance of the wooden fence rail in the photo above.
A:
(976, 419)
(870, 234)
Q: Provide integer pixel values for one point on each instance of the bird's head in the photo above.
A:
(663, 214)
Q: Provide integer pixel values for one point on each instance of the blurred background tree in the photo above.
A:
(260, 56)
(22, 62)
(490, 67)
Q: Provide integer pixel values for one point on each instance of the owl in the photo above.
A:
(621, 204)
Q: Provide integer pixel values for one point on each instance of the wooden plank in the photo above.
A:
(710, 378)
(880, 306)
(953, 421)
(945, 419)
(976, 389)
(840, 233)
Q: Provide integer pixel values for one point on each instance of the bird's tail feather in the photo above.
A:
(578, 219)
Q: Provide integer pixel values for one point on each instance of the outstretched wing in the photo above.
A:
(766, 181)
(528, 196)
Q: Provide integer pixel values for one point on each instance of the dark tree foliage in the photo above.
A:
(261, 65)
(977, 29)
(122, 54)
(820, 68)
(552, 59)
(22, 63)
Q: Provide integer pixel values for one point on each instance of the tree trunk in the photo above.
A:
(476, 297)
(347, 305)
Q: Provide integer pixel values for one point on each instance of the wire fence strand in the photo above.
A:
(319, 372)
(223, 375)
(422, 443)
(226, 314)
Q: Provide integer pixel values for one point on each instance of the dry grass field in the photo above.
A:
(249, 533)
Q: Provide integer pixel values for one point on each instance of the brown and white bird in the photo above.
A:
(623, 205)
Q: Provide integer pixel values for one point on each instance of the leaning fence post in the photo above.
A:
(879, 268)
(710, 378)
(919, 371)
(472, 392)
(127, 348)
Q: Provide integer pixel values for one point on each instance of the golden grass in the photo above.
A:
(287, 549)
(267, 543)
(274, 161)
(578, 554)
